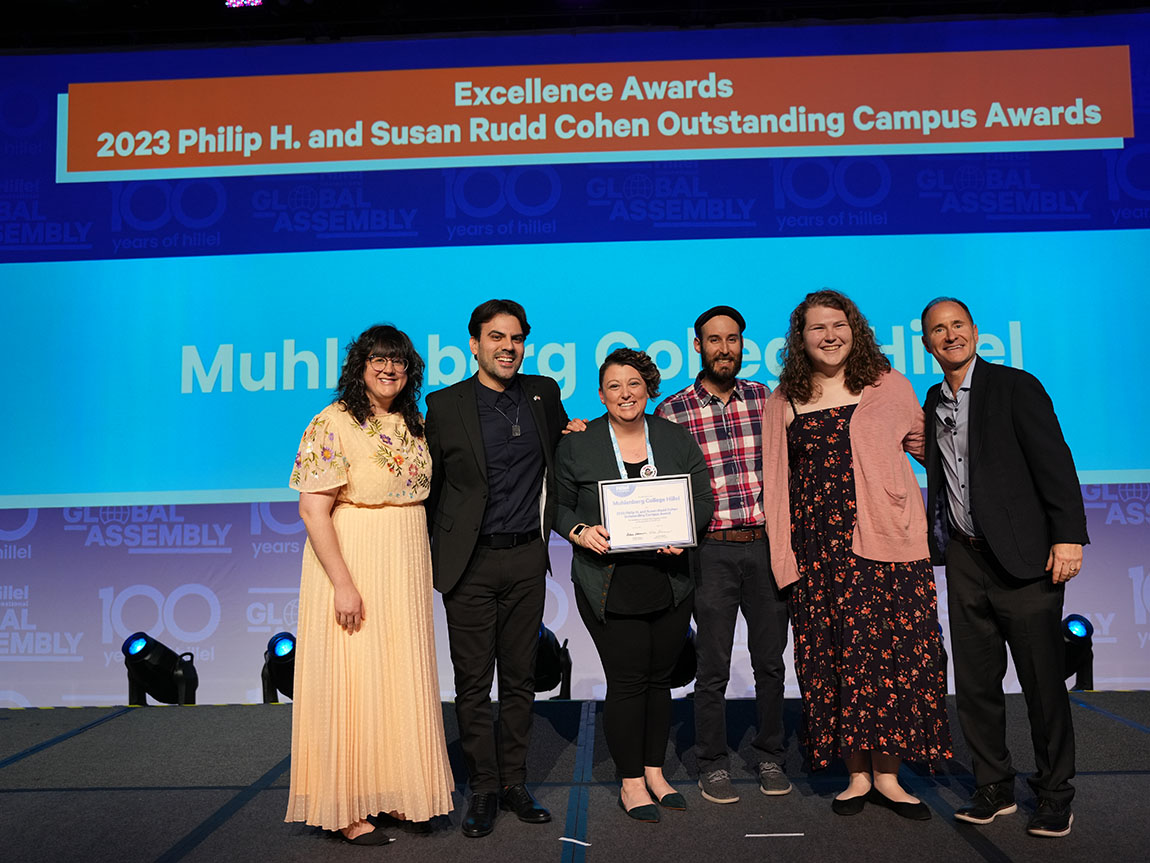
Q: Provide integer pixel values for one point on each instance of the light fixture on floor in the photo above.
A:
(552, 664)
(279, 667)
(687, 663)
(156, 670)
(1078, 635)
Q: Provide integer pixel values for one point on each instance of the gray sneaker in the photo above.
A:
(716, 787)
(772, 780)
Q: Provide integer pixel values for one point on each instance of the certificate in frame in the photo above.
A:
(645, 514)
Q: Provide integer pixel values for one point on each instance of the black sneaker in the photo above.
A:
(1051, 819)
(988, 802)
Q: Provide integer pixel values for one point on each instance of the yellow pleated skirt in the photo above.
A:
(367, 725)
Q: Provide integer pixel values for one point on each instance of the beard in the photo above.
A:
(722, 376)
(495, 370)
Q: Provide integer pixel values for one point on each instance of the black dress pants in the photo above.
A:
(991, 610)
(493, 617)
(638, 652)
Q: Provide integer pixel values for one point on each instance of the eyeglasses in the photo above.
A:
(380, 364)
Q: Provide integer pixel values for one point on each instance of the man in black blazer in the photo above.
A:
(492, 439)
(1007, 519)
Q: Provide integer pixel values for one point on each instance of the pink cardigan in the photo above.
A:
(890, 522)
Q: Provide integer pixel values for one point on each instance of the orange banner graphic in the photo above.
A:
(613, 111)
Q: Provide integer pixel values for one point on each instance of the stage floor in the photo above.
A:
(209, 783)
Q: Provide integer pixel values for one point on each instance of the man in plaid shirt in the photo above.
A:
(724, 414)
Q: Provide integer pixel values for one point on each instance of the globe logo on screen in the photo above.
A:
(969, 177)
(303, 198)
(1134, 491)
(638, 186)
(118, 514)
(291, 613)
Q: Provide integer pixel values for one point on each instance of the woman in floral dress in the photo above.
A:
(850, 540)
(367, 727)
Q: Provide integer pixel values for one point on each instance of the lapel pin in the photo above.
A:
(535, 398)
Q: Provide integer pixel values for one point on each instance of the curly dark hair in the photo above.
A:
(864, 366)
(386, 341)
(637, 360)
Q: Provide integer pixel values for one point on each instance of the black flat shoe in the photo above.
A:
(848, 805)
(648, 812)
(406, 826)
(673, 800)
(913, 811)
(375, 837)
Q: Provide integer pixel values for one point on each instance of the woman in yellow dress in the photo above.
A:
(367, 726)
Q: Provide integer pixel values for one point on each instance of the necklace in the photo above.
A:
(515, 430)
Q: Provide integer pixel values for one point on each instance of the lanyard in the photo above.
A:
(649, 469)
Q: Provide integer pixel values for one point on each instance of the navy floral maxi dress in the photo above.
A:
(868, 650)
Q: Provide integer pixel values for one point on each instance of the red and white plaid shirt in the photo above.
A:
(731, 437)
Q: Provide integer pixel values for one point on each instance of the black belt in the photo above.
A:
(978, 543)
(507, 540)
(738, 534)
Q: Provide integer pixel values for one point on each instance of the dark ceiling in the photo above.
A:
(70, 25)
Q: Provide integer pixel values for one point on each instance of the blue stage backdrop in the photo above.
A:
(188, 240)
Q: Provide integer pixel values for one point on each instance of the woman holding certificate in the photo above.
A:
(848, 535)
(637, 604)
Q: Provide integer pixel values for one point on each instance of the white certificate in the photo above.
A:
(642, 514)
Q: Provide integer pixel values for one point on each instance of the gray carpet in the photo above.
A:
(209, 783)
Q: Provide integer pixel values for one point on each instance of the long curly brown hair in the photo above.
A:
(386, 341)
(865, 364)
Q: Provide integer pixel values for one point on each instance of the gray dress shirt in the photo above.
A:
(952, 430)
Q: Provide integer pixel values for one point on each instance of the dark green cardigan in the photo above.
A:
(584, 458)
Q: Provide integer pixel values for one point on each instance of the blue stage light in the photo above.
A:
(155, 669)
(1078, 636)
(282, 644)
(1075, 626)
(278, 673)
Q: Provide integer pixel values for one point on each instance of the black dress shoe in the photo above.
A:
(480, 818)
(848, 805)
(988, 802)
(914, 811)
(517, 799)
(375, 837)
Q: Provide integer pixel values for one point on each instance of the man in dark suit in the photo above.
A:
(492, 440)
(1007, 519)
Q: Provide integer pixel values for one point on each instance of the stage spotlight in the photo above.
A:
(1078, 634)
(156, 670)
(687, 663)
(279, 667)
(552, 664)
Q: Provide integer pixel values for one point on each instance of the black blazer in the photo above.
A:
(458, 495)
(1024, 489)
